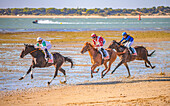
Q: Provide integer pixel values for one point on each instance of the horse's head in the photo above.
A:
(85, 48)
(28, 48)
(113, 44)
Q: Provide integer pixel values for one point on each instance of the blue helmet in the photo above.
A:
(124, 33)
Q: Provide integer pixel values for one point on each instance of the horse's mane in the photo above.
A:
(92, 46)
(32, 46)
(122, 46)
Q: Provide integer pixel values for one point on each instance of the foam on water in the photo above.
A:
(102, 22)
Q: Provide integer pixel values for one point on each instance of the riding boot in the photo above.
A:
(103, 52)
(131, 50)
(47, 53)
(103, 55)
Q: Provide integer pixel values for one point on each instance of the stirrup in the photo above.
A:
(107, 57)
(134, 54)
(50, 61)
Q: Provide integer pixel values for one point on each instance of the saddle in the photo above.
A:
(106, 54)
(132, 51)
(50, 59)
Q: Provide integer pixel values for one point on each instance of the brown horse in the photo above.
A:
(40, 61)
(125, 55)
(96, 58)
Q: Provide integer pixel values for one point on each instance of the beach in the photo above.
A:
(149, 90)
(146, 86)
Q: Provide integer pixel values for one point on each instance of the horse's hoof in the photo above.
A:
(97, 70)
(147, 66)
(21, 78)
(153, 67)
(102, 76)
(48, 83)
(128, 76)
(62, 82)
(31, 76)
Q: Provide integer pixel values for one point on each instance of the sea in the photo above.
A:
(83, 24)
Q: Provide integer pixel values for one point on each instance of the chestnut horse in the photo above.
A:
(125, 55)
(96, 58)
(40, 61)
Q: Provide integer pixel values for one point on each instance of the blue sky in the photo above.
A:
(129, 4)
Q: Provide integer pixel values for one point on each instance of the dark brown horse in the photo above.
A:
(40, 61)
(125, 55)
(96, 58)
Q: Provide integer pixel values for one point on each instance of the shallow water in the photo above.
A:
(12, 67)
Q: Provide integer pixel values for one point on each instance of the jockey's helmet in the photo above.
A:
(93, 35)
(124, 33)
(39, 39)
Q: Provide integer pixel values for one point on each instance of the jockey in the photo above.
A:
(128, 42)
(45, 45)
(99, 42)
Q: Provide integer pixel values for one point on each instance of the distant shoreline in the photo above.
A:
(33, 16)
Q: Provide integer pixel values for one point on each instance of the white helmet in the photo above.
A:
(39, 39)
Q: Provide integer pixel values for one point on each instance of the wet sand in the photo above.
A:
(151, 90)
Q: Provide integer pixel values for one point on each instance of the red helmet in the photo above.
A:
(93, 35)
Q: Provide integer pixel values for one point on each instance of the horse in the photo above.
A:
(125, 55)
(96, 58)
(38, 60)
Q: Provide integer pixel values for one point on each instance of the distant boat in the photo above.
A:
(139, 17)
(35, 22)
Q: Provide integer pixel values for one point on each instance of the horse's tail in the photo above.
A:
(69, 60)
(151, 53)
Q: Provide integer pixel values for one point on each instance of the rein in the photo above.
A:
(33, 51)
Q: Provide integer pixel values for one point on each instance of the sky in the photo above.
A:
(115, 4)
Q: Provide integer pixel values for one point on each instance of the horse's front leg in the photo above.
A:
(108, 69)
(117, 67)
(91, 74)
(105, 64)
(127, 69)
(93, 68)
(27, 73)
